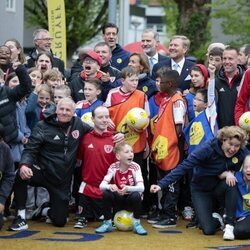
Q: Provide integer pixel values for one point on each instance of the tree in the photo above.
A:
(84, 19)
(190, 18)
(235, 18)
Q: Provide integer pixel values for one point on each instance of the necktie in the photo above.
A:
(176, 67)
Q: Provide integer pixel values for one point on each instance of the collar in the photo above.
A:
(180, 63)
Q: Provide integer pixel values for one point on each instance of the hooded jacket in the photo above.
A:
(207, 163)
(53, 147)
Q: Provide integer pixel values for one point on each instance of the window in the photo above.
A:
(11, 5)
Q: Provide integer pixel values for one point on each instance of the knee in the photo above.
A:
(136, 195)
(208, 231)
(59, 222)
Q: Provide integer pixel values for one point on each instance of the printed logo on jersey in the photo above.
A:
(119, 60)
(56, 138)
(235, 160)
(108, 148)
(90, 146)
(145, 89)
(80, 91)
(75, 134)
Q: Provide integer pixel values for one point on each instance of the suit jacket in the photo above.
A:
(184, 81)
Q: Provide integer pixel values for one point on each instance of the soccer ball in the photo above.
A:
(244, 121)
(123, 220)
(137, 119)
(87, 118)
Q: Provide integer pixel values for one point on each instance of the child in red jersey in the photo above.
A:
(126, 189)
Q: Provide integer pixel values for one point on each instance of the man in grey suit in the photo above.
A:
(178, 48)
(149, 44)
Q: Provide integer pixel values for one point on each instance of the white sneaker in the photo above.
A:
(188, 213)
(228, 232)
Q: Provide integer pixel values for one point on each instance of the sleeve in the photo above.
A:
(139, 185)
(24, 87)
(33, 146)
(107, 179)
(243, 96)
(179, 112)
(196, 158)
(31, 103)
(107, 103)
(8, 174)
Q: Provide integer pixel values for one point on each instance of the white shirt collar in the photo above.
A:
(180, 63)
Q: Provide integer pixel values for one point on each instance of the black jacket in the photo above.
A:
(226, 97)
(53, 147)
(8, 99)
(57, 62)
(7, 172)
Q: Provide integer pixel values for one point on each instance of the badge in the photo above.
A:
(108, 148)
(119, 60)
(145, 89)
(235, 160)
(75, 134)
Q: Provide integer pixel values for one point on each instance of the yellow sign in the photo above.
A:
(160, 148)
(196, 133)
(57, 28)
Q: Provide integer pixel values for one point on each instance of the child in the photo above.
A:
(53, 78)
(60, 92)
(199, 77)
(167, 143)
(36, 76)
(126, 189)
(241, 227)
(7, 173)
(215, 58)
(122, 99)
(92, 89)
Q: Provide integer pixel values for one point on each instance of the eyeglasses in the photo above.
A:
(45, 39)
(198, 99)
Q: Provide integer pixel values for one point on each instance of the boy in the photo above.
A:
(123, 187)
(92, 89)
(215, 58)
(61, 91)
(7, 173)
(167, 143)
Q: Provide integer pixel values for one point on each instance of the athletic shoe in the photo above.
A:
(188, 213)
(106, 227)
(138, 229)
(193, 223)
(18, 224)
(37, 213)
(154, 218)
(165, 223)
(228, 232)
(81, 223)
(220, 219)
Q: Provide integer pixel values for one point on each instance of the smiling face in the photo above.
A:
(43, 41)
(177, 50)
(134, 61)
(101, 119)
(197, 78)
(230, 146)
(5, 55)
(43, 98)
(148, 43)
(125, 155)
(230, 60)
(65, 110)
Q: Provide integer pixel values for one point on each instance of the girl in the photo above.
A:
(126, 189)
(199, 77)
(36, 76)
(44, 61)
(17, 54)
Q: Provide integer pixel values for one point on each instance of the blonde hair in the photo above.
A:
(119, 146)
(230, 132)
(52, 74)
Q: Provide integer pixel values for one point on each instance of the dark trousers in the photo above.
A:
(59, 195)
(204, 205)
(170, 196)
(242, 229)
(130, 202)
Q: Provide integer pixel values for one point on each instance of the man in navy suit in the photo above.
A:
(178, 48)
(149, 44)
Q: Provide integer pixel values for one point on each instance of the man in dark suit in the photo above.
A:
(43, 41)
(149, 44)
(178, 48)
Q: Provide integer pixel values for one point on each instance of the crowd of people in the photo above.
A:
(66, 142)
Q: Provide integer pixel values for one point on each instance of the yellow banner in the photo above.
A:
(57, 28)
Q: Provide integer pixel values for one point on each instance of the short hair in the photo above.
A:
(68, 100)
(230, 132)
(216, 51)
(52, 74)
(37, 32)
(185, 40)
(95, 82)
(109, 25)
(21, 56)
(228, 48)
(143, 59)
(247, 49)
(156, 34)
(128, 72)
(203, 92)
(95, 108)
(167, 73)
(102, 44)
(30, 70)
(64, 88)
(119, 146)
(48, 54)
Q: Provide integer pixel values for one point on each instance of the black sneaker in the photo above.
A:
(81, 223)
(165, 223)
(18, 224)
(154, 218)
(37, 213)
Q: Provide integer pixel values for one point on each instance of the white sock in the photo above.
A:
(21, 213)
(45, 211)
(136, 221)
